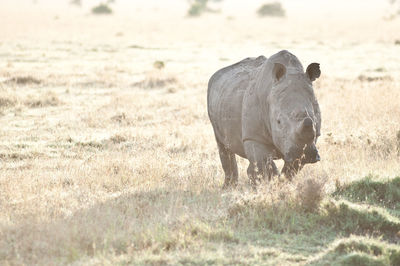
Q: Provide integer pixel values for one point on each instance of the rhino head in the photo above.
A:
(294, 118)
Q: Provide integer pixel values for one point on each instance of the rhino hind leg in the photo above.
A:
(229, 164)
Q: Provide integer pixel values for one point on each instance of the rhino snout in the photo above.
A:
(311, 155)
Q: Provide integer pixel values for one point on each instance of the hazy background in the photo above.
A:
(307, 24)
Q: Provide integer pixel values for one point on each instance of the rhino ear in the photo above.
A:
(278, 72)
(313, 72)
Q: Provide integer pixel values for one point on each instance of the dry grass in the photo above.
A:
(106, 160)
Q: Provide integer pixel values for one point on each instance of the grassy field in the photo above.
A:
(108, 158)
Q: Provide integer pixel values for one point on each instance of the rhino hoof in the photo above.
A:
(229, 184)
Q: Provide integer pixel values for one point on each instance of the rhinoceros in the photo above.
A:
(264, 109)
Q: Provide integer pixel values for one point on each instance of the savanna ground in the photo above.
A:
(107, 159)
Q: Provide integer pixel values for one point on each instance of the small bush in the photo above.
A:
(13, 156)
(271, 10)
(120, 118)
(6, 102)
(159, 64)
(101, 9)
(117, 139)
(198, 7)
(156, 80)
(76, 2)
(48, 99)
(310, 193)
(364, 78)
(89, 144)
(23, 80)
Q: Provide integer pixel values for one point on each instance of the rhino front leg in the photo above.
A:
(291, 169)
(261, 164)
(229, 164)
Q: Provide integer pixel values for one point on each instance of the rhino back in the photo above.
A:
(224, 101)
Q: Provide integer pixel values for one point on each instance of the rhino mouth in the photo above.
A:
(312, 157)
(293, 166)
(308, 154)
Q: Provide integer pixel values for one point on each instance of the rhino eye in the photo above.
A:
(279, 121)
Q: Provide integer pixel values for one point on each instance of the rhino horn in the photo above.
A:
(307, 130)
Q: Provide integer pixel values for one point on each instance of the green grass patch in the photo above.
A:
(355, 219)
(216, 233)
(290, 217)
(383, 193)
(359, 251)
(280, 217)
(283, 208)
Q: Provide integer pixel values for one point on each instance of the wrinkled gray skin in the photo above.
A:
(262, 110)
